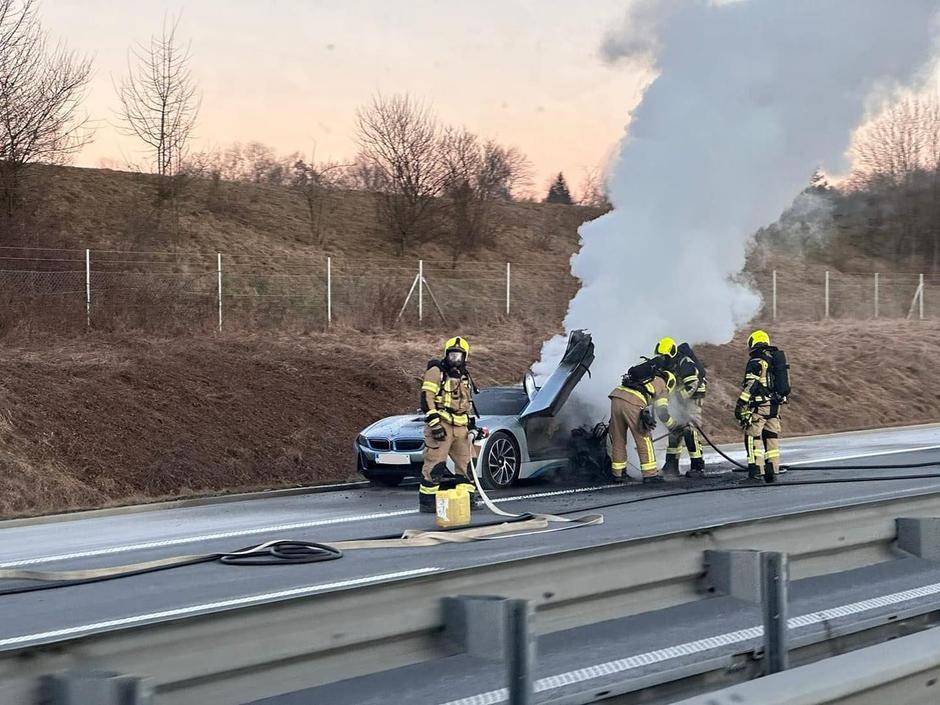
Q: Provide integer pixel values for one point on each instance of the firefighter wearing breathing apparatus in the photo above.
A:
(447, 402)
(686, 403)
(644, 386)
(765, 388)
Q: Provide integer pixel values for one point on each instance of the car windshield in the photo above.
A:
(500, 401)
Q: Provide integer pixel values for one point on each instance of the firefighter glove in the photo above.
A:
(647, 420)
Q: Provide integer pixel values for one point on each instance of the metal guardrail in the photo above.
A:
(904, 670)
(239, 655)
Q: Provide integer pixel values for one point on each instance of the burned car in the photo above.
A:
(526, 439)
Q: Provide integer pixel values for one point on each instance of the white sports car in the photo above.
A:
(525, 438)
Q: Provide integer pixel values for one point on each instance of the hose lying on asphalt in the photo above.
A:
(285, 552)
(901, 466)
(282, 552)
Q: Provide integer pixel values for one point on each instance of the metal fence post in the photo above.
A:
(774, 580)
(87, 288)
(921, 288)
(420, 289)
(508, 278)
(876, 294)
(219, 271)
(775, 295)
(329, 291)
(827, 294)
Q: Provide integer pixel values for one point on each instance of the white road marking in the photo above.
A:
(690, 648)
(210, 606)
(863, 455)
(163, 543)
(235, 533)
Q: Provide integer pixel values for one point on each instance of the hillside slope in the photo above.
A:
(104, 209)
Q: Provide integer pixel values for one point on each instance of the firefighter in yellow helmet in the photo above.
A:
(758, 411)
(447, 400)
(686, 404)
(645, 386)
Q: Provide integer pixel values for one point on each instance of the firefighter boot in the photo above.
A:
(653, 479)
(697, 471)
(754, 473)
(671, 466)
(427, 496)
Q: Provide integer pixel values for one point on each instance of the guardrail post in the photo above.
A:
(497, 629)
(774, 580)
(94, 688)
(761, 578)
(520, 666)
(919, 536)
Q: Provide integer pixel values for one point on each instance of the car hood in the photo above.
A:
(401, 426)
(552, 395)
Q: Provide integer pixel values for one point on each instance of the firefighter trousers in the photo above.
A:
(762, 441)
(624, 418)
(456, 445)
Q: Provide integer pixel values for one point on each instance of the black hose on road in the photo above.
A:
(270, 553)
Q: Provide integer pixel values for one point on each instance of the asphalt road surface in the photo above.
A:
(51, 615)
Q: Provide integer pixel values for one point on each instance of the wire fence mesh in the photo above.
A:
(173, 292)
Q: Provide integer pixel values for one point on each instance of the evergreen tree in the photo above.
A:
(558, 192)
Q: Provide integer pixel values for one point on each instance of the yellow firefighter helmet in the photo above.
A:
(756, 338)
(666, 347)
(455, 344)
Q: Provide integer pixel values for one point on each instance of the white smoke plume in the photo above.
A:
(750, 98)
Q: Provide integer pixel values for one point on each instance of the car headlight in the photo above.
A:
(361, 440)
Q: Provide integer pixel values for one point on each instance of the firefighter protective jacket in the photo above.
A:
(655, 391)
(446, 398)
(755, 390)
(691, 381)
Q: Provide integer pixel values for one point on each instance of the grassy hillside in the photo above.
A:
(104, 209)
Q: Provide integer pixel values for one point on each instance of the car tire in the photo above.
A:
(500, 461)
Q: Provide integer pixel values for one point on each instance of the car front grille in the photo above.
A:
(409, 444)
(380, 444)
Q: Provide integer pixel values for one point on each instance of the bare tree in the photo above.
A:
(505, 171)
(316, 184)
(594, 190)
(903, 139)
(401, 139)
(468, 191)
(41, 89)
(159, 100)
(363, 175)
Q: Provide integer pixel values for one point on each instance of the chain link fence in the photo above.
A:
(175, 292)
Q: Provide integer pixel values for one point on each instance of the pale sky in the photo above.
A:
(290, 73)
